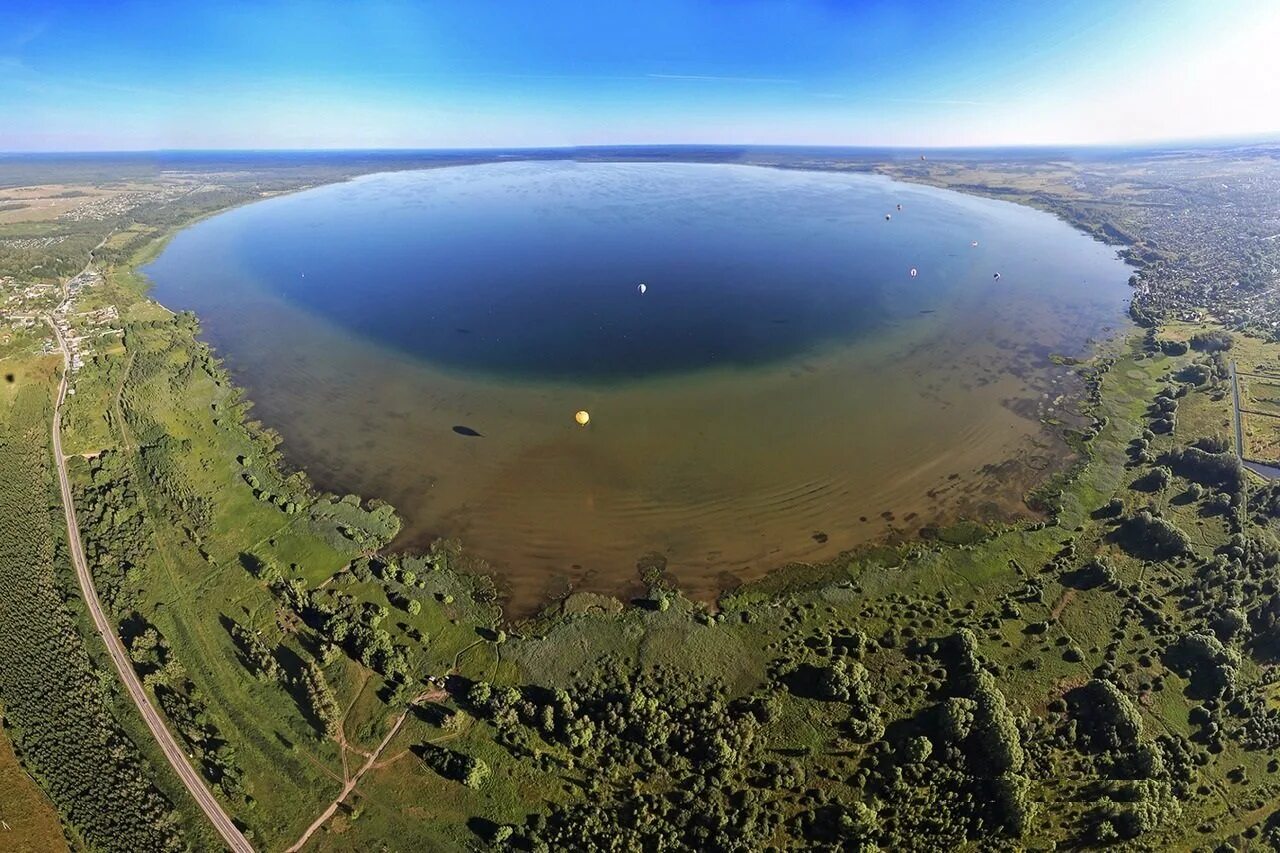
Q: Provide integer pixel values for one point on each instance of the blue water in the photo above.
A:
(531, 270)
(783, 390)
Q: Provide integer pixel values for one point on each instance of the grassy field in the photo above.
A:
(186, 568)
(28, 821)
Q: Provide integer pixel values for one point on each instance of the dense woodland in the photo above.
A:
(57, 705)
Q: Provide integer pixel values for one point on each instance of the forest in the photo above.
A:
(57, 708)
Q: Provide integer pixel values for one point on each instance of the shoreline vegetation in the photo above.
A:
(1104, 676)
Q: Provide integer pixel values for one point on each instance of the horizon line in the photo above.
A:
(1150, 144)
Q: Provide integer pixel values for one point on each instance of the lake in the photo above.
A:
(816, 360)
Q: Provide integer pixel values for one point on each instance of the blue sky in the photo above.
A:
(96, 76)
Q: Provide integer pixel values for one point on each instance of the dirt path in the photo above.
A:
(190, 779)
(429, 696)
(1068, 595)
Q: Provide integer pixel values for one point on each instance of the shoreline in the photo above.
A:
(1064, 459)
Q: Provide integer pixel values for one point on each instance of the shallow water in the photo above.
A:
(784, 388)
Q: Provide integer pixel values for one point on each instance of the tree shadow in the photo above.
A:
(131, 627)
(1086, 577)
(804, 681)
(431, 713)
(483, 828)
(252, 563)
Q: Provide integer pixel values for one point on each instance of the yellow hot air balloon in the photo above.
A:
(582, 417)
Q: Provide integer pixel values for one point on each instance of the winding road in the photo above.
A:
(231, 835)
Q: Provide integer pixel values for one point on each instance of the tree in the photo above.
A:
(361, 569)
(478, 694)
(1145, 804)
(1152, 536)
(474, 772)
(324, 707)
(1107, 717)
(857, 825)
(955, 718)
(995, 728)
(1210, 665)
(1013, 798)
(258, 657)
(1155, 480)
(458, 766)
(918, 749)
(1217, 340)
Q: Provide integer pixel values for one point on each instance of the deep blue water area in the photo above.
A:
(531, 270)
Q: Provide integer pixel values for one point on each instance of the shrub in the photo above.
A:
(1106, 717)
(1152, 536)
(1214, 341)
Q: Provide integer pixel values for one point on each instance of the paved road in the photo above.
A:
(195, 785)
(1263, 470)
(1235, 399)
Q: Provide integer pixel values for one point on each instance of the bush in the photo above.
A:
(1203, 659)
(1151, 536)
(1196, 374)
(1106, 717)
(1155, 480)
(1221, 469)
(1215, 341)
